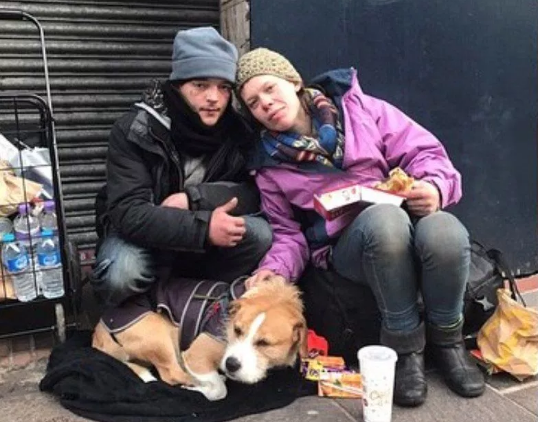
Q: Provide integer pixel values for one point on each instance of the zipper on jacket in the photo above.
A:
(176, 159)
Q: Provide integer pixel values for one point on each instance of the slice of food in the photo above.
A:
(398, 182)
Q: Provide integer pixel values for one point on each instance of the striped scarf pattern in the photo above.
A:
(326, 147)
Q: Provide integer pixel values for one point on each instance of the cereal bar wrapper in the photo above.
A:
(313, 367)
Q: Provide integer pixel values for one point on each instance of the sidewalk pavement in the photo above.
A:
(505, 400)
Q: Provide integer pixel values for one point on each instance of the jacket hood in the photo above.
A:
(335, 83)
(149, 115)
(153, 97)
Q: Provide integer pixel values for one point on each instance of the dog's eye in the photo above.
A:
(237, 331)
(261, 343)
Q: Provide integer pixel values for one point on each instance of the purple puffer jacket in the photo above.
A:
(378, 138)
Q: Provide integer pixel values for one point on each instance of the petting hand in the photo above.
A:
(177, 200)
(423, 198)
(224, 230)
(260, 277)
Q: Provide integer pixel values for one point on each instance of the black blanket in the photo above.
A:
(97, 386)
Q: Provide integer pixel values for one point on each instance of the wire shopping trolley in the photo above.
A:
(40, 269)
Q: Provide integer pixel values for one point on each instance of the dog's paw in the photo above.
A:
(147, 376)
(211, 385)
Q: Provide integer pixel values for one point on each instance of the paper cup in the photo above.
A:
(377, 366)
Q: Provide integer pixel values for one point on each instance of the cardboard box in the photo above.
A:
(334, 380)
(334, 203)
(345, 384)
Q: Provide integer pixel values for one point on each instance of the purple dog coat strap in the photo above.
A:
(185, 301)
(129, 312)
(237, 288)
(207, 294)
(216, 314)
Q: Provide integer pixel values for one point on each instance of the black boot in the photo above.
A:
(410, 388)
(448, 352)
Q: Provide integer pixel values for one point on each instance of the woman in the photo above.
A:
(313, 140)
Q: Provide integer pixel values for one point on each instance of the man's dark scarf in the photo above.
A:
(226, 144)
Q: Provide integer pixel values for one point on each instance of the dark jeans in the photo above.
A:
(397, 257)
(123, 269)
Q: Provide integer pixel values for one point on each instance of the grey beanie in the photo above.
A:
(203, 53)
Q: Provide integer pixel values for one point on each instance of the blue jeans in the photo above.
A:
(123, 269)
(398, 257)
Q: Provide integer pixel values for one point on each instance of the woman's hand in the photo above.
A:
(423, 198)
(260, 277)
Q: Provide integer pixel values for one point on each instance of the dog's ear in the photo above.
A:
(234, 307)
(301, 337)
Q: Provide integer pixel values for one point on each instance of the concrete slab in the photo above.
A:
(505, 381)
(35, 407)
(526, 396)
(20, 400)
(444, 405)
(306, 409)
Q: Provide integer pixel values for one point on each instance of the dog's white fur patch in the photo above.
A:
(146, 375)
(211, 385)
(252, 369)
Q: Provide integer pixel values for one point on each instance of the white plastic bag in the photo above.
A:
(7, 149)
(31, 163)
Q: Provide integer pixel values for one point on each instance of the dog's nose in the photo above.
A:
(232, 364)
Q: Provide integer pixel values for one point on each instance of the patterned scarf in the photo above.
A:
(326, 147)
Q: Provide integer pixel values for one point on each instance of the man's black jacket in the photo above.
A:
(143, 168)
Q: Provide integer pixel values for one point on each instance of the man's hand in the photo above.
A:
(224, 230)
(177, 200)
(423, 199)
(260, 277)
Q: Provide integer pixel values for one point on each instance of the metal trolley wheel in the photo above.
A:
(60, 322)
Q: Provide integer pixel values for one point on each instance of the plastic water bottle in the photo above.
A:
(26, 228)
(27, 231)
(47, 218)
(50, 265)
(6, 226)
(17, 263)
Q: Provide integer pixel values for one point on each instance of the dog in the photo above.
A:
(265, 328)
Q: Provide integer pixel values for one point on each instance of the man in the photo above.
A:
(177, 196)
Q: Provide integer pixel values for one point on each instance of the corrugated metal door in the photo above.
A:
(101, 54)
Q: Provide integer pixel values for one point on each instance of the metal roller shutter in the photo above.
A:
(101, 54)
